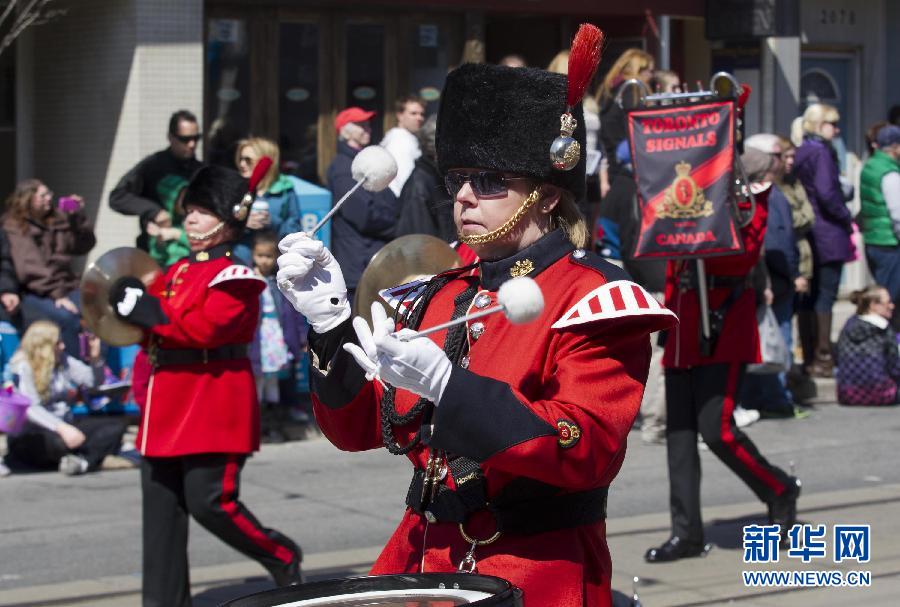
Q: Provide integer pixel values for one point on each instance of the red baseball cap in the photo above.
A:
(351, 114)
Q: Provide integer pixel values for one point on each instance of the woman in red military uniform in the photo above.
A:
(514, 432)
(199, 415)
(702, 382)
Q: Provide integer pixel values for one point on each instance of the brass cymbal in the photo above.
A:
(96, 282)
(400, 261)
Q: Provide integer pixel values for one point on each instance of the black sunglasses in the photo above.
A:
(188, 138)
(484, 183)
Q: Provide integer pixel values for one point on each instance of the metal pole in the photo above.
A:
(665, 42)
(703, 296)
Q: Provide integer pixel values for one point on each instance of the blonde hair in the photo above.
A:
(567, 216)
(262, 147)
(810, 123)
(38, 350)
(560, 63)
(627, 66)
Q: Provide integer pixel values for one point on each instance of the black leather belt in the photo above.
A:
(189, 356)
(525, 507)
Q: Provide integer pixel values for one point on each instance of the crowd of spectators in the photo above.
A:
(809, 239)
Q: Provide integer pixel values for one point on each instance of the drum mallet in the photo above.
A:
(373, 169)
(520, 299)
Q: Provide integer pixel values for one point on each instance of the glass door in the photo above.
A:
(299, 98)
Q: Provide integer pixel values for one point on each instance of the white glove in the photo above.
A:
(312, 281)
(417, 365)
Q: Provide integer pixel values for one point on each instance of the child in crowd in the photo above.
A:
(52, 380)
(868, 361)
(279, 343)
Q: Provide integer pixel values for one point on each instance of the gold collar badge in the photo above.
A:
(521, 268)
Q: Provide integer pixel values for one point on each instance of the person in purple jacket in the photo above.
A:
(816, 167)
(279, 343)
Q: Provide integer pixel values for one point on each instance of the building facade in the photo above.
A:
(87, 95)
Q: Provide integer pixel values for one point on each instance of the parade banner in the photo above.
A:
(683, 162)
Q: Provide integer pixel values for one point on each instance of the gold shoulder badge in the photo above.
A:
(684, 199)
(568, 432)
(521, 268)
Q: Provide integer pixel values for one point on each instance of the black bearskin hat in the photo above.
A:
(217, 189)
(505, 119)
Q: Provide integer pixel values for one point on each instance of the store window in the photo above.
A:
(227, 88)
(298, 100)
(430, 59)
(365, 71)
(7, 120)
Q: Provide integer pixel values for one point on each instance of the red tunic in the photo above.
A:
(202, 407)
(739, 339)
(514, 410)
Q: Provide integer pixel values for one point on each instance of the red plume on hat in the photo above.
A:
(584, 57)
(583, 61)
(259, 171)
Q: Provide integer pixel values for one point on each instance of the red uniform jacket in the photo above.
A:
(552, 400)
(739, 340)
(202, 407)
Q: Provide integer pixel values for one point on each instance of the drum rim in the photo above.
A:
(500, 589)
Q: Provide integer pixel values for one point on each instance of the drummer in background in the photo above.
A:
(199, 411)
(514, 432)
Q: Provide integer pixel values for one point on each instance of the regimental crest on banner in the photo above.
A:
(684, 199)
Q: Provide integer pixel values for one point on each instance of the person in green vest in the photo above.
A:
(880, 212)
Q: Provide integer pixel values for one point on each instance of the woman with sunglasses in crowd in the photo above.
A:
(816, 167)
(514, 431)
(277, 207)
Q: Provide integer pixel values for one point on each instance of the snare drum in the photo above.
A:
(422, 590)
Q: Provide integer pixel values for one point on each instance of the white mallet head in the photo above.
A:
(521, 299)
(375, 167)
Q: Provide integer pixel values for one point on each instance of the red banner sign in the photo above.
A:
(683, 160)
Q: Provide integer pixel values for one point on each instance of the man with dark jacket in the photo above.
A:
(367, 220)
(425, 207)
(142, 190)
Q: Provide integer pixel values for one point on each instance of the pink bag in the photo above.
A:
(12, 410)
(856, 242)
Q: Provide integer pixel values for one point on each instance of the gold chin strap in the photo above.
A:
(206, 235)
(507, 227)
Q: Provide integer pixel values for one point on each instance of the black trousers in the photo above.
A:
(41, 448)
(206, 487)
(701, 399)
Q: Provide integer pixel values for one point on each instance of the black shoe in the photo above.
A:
(673, 549)
(289, 574)
(783, 508)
